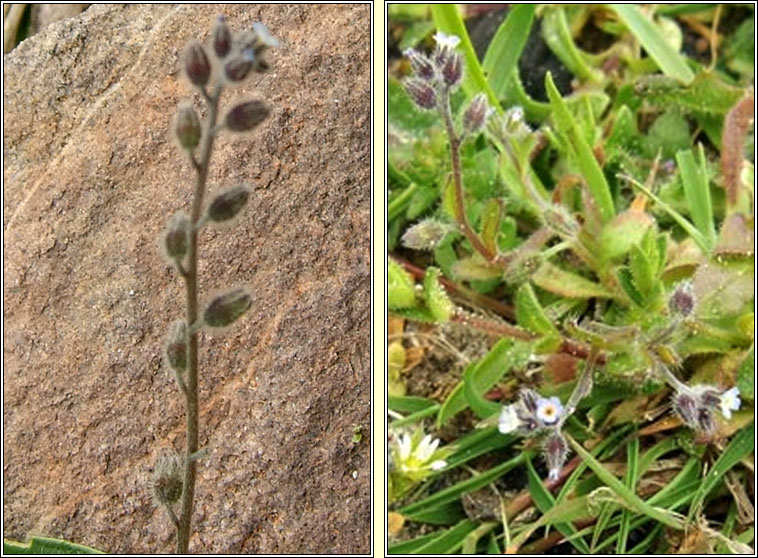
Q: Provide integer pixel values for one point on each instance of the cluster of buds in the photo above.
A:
(435, 77)
(228, 59)
(696, 405)
(533, 415)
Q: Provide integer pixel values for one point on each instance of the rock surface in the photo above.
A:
(90, 179)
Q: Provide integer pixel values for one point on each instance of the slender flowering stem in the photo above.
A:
(460, 211)
(190, 281)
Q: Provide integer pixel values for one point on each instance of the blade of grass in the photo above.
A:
(688, 227)
(446, 514)
(557, 35)
(448, 542)
(653, 41)
(582, 154)
(626, 495)
(545, 502)
(447, 18)
(742, 445)
(472, 539)
(409, 547)
(566, 511)
(469, 485)
(632, 463)
(696, 191)
(506, 46)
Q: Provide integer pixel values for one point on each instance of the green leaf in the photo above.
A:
(439, 304)
(642, 270)
(476, 401)
(506, 46)
(626, 281)
(696, 192)
(529, 312)
(492, 215)
(46, 545)
(401, 292)
(486, 373)
(555, 280)
(581, 153)
(652, 40)
(409, 404)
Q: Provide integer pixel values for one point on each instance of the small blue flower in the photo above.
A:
(549, 410)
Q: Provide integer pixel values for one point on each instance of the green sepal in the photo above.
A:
(401, 292)
(437, 301)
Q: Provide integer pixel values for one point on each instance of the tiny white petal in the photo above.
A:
(437, 465)
(426, 448)
(730, 401)
(265, 35)
(405, 447)
(509, 420)
(446, 41)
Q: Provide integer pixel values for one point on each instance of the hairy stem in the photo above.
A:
(455, 155)
(190, 281)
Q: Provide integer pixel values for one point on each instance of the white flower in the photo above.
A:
(416, 455)
(509, 420)
(265, 35)
(446, 41)
(549, 410)
(730, 401)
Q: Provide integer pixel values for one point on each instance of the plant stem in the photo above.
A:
(190, 281)
(455, 155)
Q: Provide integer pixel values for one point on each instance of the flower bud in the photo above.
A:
(175, 239)
(422, 93)
(476, 114)
(237, 69)
(224, 309)
(187, 127)
(556, 450)
(246, 116)
(222, 38)
(227, 204)
(426, 235)
(167, 481)
(421, 64)
(682, 300)
(452, 71)
(176, 346)
(196, 65)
